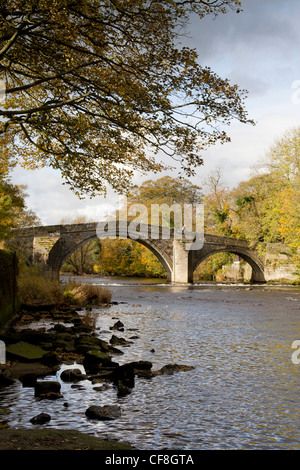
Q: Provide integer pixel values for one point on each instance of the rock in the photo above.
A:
(47, 389)
(25, 352)
(101, 388)
(36, 307)
(65, 341)
(123, 375)
(118, 326)
(35, 337)
(108, 348)
(50, 359)
(170, 369)
(60, 328)
(142, 369)
(103, 374)
(123, 390)
(108, 412)
(119, 341)
(86, 343)
(72, 375)
(6, 378)
(42, 418)
(141, 365)
(28, 380)
(95, 360)
(39, 370)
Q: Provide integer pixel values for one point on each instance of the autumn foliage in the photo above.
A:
(99, 88)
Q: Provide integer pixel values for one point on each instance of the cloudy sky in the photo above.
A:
(257, 49)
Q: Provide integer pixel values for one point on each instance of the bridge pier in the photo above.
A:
(182, 269)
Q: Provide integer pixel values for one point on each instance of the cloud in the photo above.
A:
(53, 201)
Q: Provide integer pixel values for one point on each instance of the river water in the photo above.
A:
(243, 392)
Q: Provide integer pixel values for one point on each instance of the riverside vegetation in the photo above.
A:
(35, 352)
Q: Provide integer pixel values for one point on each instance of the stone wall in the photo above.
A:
(8, 285)
(280, 263)
(280, 266)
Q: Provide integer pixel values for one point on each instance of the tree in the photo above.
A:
(13, 210)
(217, 205)
(97, 88)
(83, 259)
(128, 258)
(164, 191)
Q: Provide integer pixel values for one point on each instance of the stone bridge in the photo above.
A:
(50, 246)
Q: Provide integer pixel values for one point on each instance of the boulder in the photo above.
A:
(36, 337)
(123, 390)
(118, 326)
(108, 412)
(39, 370)
(106, 347)
(85, 343)
(50, 359)
(142, 369)
(170, 369)
(119, 341)
(28, 380)
(104, 374)
(24, 352)
(94, 359)
(47, 389)
(72, 375)
(42, 418)
(65, 341)
(123, 375)
(101, 388)
(6, 378)
(141, 365)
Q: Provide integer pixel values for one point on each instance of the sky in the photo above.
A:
(257, 49)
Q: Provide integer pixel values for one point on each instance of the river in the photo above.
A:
(243, 392)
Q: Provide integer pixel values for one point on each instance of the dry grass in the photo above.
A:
(87, 294)
(35, 288)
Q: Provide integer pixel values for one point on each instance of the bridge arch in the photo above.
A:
(64, 247)
(253, 260)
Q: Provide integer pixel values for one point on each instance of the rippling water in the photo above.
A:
(243, 393)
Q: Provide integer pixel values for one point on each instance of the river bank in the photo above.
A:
(56, 439)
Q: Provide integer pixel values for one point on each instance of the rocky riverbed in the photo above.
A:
(35, 352)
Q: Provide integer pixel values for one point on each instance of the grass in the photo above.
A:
(55, 439)
(34, 288)
(87, 294)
